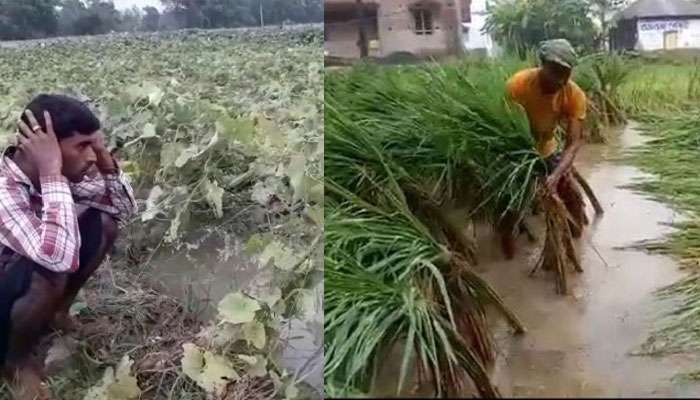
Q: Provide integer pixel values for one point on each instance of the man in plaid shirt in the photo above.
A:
(62, 198)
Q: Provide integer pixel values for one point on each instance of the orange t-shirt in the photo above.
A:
(546, 111)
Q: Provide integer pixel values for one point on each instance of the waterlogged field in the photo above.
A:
(408, 142)
(222, 135)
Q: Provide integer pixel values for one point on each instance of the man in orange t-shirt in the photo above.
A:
(550, 100)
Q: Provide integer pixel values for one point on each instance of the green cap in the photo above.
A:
(558, 51)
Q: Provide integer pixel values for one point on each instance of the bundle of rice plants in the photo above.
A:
(558, 251)
(389, 280)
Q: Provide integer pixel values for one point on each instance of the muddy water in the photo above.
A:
(203, 276)
(579, 345)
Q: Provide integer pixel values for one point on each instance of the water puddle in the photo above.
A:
(203, 276)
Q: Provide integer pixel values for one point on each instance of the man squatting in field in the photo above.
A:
(62, 195)
(550, 98)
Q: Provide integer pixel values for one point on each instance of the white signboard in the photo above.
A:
(671, 25)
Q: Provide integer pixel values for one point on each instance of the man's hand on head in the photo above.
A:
(41, 147)
(105, 161)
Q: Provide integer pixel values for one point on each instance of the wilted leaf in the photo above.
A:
(237, 308)
(261, 193)
(174, 231)
(271, 296)
(221, 334)
(145, 91)
(169, 153)
(152, 208)
(281, 255)
(258, 365)
(119, 385)
(297, 172)
(215, 195)
(254, 333)
(315, 192)
(291, 392)
(155, 95)
(210, 371)
(271, 133)
(186, 155)
(149, 130)
(316, 214)
(309, 303)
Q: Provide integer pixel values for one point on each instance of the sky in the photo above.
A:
(124, 4)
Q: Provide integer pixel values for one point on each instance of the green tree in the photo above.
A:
(520, 25)
(27, 19)
(151, 19)
(604, 12)
(227, 13)
(234, 13)
(188, 13)
(108, 16)
(279, 11)
(131, 20)
(70, 11)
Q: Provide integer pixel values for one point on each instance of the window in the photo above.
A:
(423, 20)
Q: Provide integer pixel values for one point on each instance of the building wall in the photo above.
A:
(476, 39)
(341, 39)
(392, 29)
(651, 33)
(396, 28)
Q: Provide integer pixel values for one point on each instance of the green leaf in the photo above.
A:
(256, 244)
(76, 308)
(241, 129)
(237, 308)
(254, 333)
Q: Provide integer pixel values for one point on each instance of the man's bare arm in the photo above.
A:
(574, 141)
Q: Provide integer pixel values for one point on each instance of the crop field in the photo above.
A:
(221, 133)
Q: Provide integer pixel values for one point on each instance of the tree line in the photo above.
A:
(519, 25)
(34, 19)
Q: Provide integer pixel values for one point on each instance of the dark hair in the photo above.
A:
(68, 115)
